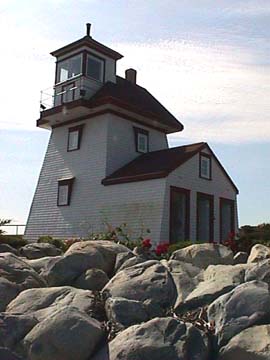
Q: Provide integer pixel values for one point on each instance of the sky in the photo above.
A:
(206, 61)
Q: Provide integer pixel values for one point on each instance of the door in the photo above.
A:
(179, 214)
(226, 218)
(205, 217)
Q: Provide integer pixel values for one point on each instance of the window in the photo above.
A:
(69, 68)
(179, 214)
(64, 191)
(205, 170)
(141, 140)
(95, 68)
(74, 137)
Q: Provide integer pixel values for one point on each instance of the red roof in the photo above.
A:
(158, 164)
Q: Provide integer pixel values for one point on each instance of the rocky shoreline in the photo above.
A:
(99, 300)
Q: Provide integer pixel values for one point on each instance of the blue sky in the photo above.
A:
(207, 62)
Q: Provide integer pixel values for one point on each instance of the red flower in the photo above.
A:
(146, 243)
(162, 249)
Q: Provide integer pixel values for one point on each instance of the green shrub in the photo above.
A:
(15, 241)
(56, 242)
(2, 223)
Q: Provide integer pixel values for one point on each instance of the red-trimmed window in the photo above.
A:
(141, 140)
(205, 166)
(74, 137)
(64, 191)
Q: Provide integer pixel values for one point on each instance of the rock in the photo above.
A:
(68, 334)
(42, 303)
(6, 354)
(217, 280)
(260, 271)
(14, 328)
(39, 264)
(159, 339)
(39, 250)
(92, 279)
(125, 313)
(246, 305)
(133, 261)
(185, 276)
(259, 252)
(121, 258)
(16, 275)
(148, 280)
(80, 257)
(7, 248)
(202, 255)
(240, 258)
(251, 344)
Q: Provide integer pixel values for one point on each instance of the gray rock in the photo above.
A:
(39, 250)
(42, 303)
(217, 280)
(260, 271)
(16, 275)
(148, 280)
(259, 252)
(125, 313)
(68, 334)
(159, 339)
(133, 261)
(250, 344)
(186, 277)
(39, 264)
(80, 257)
(14, 328)
(7, 248)
(202, 255)
(6, 354)
(92, 279)
(121, 258)
(240, 257)
(246, 305)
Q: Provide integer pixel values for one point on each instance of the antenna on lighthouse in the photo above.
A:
(88, 28)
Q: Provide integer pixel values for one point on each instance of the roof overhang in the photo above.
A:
(89, 42)
(81, 109)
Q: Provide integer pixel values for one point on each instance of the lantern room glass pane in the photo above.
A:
(95, 68)
(69, 68)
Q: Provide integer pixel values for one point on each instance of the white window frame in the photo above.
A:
(68, 60)
(205, 172)
(141, 134)
(64, 191)
(76, 130)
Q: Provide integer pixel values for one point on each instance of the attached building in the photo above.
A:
(108, 159)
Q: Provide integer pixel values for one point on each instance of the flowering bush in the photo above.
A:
(230, 242)
(146, 243)
(162, 249)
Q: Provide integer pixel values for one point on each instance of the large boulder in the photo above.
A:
(80, 257)
(260, 271)
(14, 328)
(39, 250)
(39, 264)
(251, 344)
(124, 313)
(203, 255)
(159, 339)
(42, 303)
(240, 257)
(217, 280)
(246, 305)
(259, 252)
(186, 277)
(7, 248)
(92, 279)
(148, 280)
(67, 335)
(16, 276)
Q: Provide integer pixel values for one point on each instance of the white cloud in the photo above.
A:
(219, 93)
